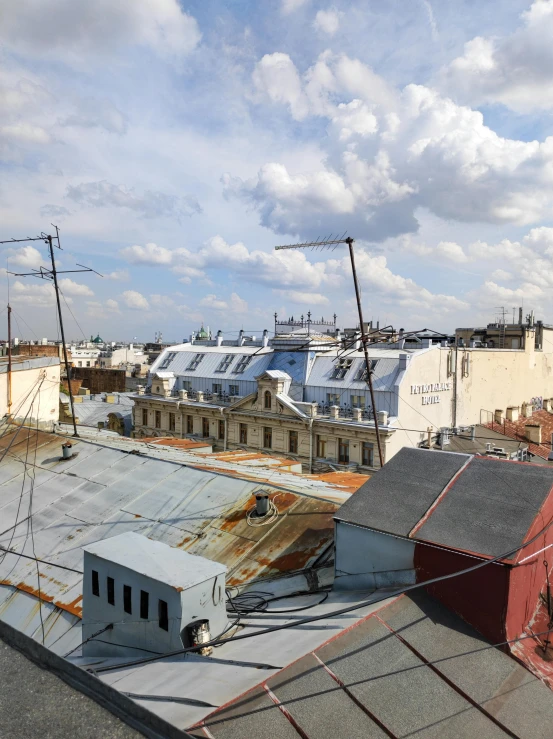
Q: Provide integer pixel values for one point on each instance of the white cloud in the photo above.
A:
(34, 295)
(25, 133)
(149, 254)
(327, 21)
(75, 31)
(69, 287)
(452, 251)
(135, 300)
(388, 155)
(162, 301)
(112, 305)
(96, 113)
(235, 305)
(514, 70)
(298, 296)
(501, 275)
(152, 204)
(26, 256)
(290, 6)
(118, 275)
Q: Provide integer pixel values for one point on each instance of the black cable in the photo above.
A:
(42, 561)
(96, 633)
(332, 614)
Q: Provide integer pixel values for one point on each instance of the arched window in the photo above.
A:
(268, 400)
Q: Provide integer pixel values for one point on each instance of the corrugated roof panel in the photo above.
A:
(384, 375)
(208, 366)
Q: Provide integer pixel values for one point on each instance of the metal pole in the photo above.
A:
(349, 242)
(67, 370)
(9, 360)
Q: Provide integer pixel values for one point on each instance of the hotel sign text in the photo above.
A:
(435, 387)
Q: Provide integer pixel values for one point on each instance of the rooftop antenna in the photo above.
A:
(44, 273)
(335, 242)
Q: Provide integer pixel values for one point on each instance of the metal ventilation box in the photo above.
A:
(150, 592)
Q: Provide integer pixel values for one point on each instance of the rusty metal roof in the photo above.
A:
(103, 491)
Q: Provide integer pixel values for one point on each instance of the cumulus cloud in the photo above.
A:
(96, 113)
(75, 32)
(118, 275)
(135, 300)
(234, 305)
(152, 204)
(104, 310)
(149, 254)
(451, 251)
(112, 305)
(26, 256)
(389, 154)
(514, 70)
(54, 211)
(69, 287)
(327, 21)
(42, 295)
(290, 6)
(298, 296)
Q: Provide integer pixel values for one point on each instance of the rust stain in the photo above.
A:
(71, 607)
(172, 442)
(136, 515)
(186, 540)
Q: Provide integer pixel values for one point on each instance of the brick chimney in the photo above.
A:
(512, 413)
(498, 415)
(532, 431)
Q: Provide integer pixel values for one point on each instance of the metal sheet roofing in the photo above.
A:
(207, 368)
(385, 373)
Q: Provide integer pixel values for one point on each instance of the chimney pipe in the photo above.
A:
(261, 504)
(241, 338)
(66, 450)
(265, 340)
(219, 338)
(520, 316)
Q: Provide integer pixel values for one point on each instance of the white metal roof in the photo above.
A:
(155, 559)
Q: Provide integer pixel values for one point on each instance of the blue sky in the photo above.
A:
(176, 143)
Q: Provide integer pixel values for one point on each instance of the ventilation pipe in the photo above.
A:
(357, 344)
(198, 634)
(192, 337)
(261, 504)
(473, 433)
(66, 450)
(219, 338)
(265, 339)
(241, 337)
(338, 336)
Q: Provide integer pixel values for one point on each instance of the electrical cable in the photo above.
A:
(338, 612)
(42, 561)
(254, 520)
(72, 315)
(92, 636)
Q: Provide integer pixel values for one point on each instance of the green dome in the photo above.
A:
(202, 333)
(97, 340)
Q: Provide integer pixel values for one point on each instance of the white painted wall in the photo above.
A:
(29, 376)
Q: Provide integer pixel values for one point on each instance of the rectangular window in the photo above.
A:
(233, 390)
(127, 598)
(95, 583)
(205, 427)
(343, 451)
(242, 363)
(111, 591)
(80, 364)
(195, 362)
(158, 419)
(321, 447)
(225, 363)
(221, 430)
(341, 369)
(267, 437)
(144, 604)
(293, 442)
(187, 385)
(216, 387)
(144, 417)
(88, 364)
(243, 433)
(333, 399)
(189, 424)
(171, 421)
(362, 371)
(367, 449)
(166, 361)
(358, 401)
(163, 616)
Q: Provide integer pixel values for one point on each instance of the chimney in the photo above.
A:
(426, 343)
(338, 336)
(498, 415)
(192, 337)
(241, 338)
(265, 339)
(140, 390)
(512, 413)
(532, 431)
(527, 409)
(520, 316)
(357, 414)
(473, 432)
(403, 361)
(401, 332)
(219, 338)
(200, 396)
(382, 418)
(357, 341)
(183, 394)
(546, 405)
(261, 504)
(334, 411)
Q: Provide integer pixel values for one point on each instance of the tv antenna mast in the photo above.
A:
(51, 274)
(349, 241)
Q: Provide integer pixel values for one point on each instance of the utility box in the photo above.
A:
(153, 595)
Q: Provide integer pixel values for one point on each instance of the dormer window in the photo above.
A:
(268, 400)
(341, 369)
(167, 360)
(225, 363)
(195, 362)
(362, 371)
(242, 363)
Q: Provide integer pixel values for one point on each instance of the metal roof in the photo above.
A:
(94, 409)
(207, 368)
(384, 376)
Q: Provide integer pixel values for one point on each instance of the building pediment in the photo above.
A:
(280, 405)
